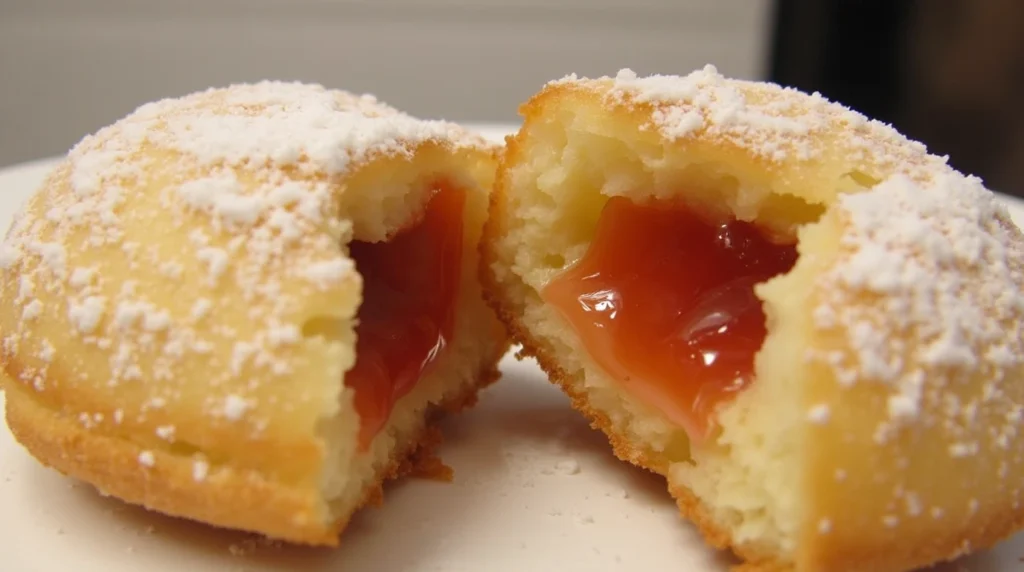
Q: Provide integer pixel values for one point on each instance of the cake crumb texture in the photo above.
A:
(893, 349)
(179, 290)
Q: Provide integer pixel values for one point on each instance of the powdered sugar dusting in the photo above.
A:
(183, 248)
(200, 469)
(146, 459)
(235, 407)
(8, 256)
(926, 289)
(224, 196)
(771, 122)
(85, 315)
(327, 272)
(818, 414)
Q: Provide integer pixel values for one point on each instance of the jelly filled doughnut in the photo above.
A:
(244, 305)
(807, 323)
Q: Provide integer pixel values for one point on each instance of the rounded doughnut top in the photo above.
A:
(183, 267)
(919, 286)
(894, 349)
(770, 123)
(925, 292)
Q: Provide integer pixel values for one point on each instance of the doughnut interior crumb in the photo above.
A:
(894, 347)
(178, 307)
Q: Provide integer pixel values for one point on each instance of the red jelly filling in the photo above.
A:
(406, 319)
(664, 302)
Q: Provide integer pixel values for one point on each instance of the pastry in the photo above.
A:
(243, 306)
(807, 323)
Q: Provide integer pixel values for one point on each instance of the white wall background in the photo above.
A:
(68, 67)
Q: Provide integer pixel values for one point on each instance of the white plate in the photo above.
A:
(535, 489)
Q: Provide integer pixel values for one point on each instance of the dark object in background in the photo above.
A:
(949, 73)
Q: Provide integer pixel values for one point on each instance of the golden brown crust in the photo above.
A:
(778, 143)
(178, 304)
(946, 545)
(716, 537)
(162, 279)
(226, 497)
(508, 312)
(848, 554)
(623, 447)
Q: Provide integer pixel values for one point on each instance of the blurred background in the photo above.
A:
(947, 72)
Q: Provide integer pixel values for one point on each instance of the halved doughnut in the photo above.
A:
(807, 323)
(242, 306)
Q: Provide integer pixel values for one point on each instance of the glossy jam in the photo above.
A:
(410, 290)
(664, 302)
